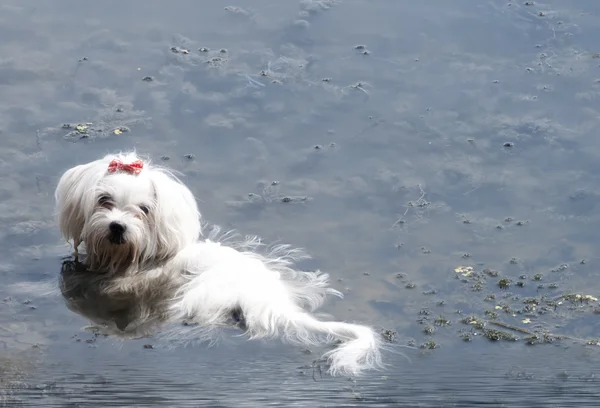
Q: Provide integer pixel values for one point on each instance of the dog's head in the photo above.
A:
(126, 211)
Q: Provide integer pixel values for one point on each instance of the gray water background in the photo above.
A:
(352, 138)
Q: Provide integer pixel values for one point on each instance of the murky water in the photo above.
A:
(394, 141)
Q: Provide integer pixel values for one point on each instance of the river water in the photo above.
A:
(439, 159)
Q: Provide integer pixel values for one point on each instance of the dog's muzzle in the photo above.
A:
(117, 233)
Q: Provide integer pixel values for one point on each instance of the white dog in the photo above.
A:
(141, 230)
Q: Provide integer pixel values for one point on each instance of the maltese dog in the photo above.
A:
(144, 250)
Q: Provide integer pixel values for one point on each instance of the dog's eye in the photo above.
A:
(145, 209)
(104, 200)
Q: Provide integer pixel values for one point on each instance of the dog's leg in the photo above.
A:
(76, 243)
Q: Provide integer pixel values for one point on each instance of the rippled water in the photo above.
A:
(394, 141)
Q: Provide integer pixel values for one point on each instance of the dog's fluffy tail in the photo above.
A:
(358, 348)
(270, 300)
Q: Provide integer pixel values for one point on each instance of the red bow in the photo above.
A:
(133, 168)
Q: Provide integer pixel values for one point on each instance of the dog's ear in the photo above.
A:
(176, 216)
(72, 196)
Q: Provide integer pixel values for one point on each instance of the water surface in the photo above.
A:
(394, 141)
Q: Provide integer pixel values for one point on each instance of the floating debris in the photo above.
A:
(120, 130)
(504, 283)
(441, 321)
(389, 336)
(474, 321)
(577, 298)
(178, 50)
(430, 345)
(464, 270)
(215, 61)
(537, 339)
(491, 272)
(491, 314)
(496, 335)
(560, 268)
(296, 199)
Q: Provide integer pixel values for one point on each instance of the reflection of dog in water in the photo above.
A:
(128, 314)
(145, 264)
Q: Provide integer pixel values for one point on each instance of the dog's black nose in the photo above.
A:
(116, 229)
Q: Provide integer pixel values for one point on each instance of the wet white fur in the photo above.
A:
(211, 277)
